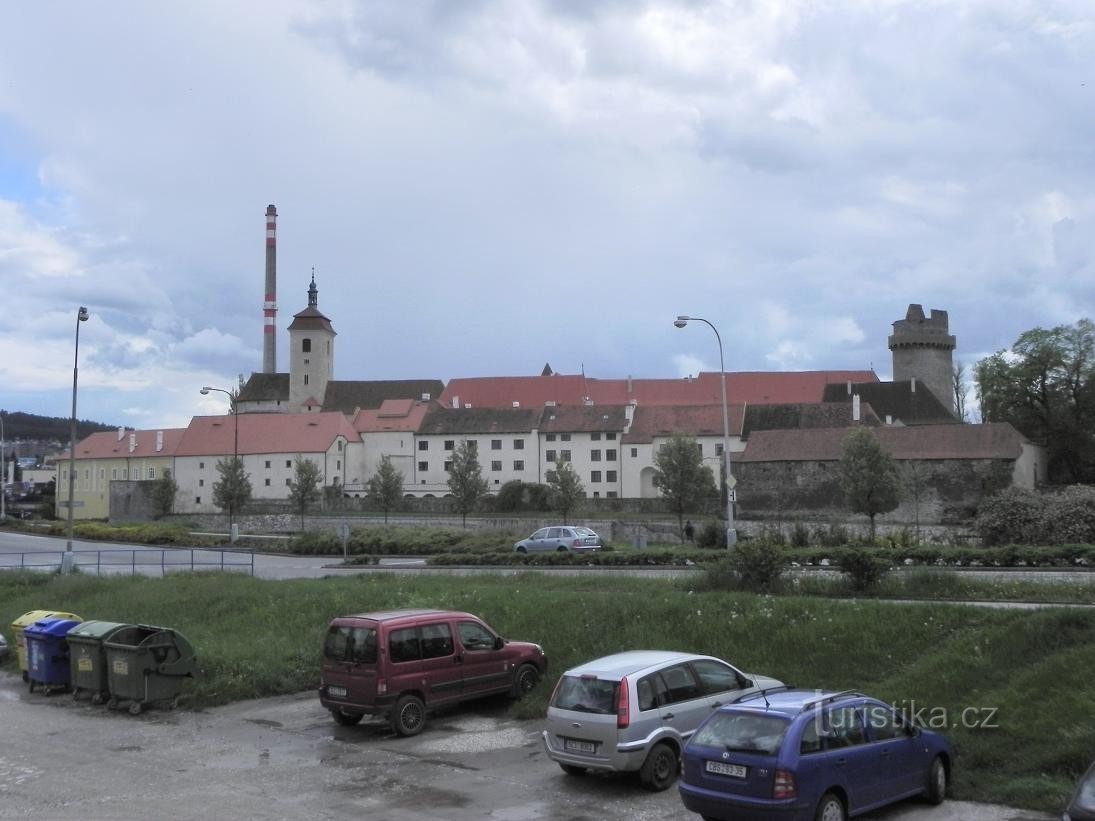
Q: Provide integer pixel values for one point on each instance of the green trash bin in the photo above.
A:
(147, 664)
(87, 658)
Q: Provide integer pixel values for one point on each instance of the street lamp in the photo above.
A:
(3, 473)
(81, 316)
(731, 533)
(235, 451)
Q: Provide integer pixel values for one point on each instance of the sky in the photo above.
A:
(483, 188)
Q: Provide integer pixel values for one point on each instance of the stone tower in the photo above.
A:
(923, 351)
(311, 355)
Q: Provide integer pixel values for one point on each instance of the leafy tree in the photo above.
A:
(386, 487)
(682, 477)
(466, 482)
(162, 493)
(566, 491)
(233, 491)
(304, 486)
(868, 476)
(915, 487)
(1045, 386)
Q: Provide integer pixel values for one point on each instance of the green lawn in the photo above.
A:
(1021, 677)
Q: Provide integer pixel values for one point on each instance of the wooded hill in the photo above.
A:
(29, 426)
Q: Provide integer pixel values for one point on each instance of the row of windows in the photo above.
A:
(450, 444)
(610, 476)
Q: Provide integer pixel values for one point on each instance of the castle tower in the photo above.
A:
(311, 355)
(923, 351)
(270, 303)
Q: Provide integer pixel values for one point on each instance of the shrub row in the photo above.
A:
(605, 558)
(1019, 516)
(390, 540)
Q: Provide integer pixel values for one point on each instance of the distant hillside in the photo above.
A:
(46, 428)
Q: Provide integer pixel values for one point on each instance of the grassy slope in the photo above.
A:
(259, 638)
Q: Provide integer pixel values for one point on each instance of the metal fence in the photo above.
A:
(133, 561)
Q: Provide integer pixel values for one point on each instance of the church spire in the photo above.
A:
(313, 294)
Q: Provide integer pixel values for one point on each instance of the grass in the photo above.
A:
(1023, 676)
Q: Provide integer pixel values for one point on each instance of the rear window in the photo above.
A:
(344, 643)
(586, 694)
(584, 531)
(743, 733)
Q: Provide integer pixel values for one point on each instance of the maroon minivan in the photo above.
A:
(401, 663)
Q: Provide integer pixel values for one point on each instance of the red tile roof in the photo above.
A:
(106, 444)
(760, 387)
(694, 420)
(583, 418)
(392, 415)
(996, 440)
(265, 433)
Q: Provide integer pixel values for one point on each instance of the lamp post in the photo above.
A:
(235, 451)
(3, 473)
(731, 533)
(81, 316)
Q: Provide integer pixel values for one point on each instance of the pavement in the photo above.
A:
(284, 757)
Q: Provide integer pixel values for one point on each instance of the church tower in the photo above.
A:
(311, 355)
(923, 351)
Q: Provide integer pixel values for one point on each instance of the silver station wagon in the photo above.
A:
(635, 711)
(560, 538)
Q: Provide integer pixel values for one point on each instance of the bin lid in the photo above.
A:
(38, 615)
(50, 627)
(96, 629)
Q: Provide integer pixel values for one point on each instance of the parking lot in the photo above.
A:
(284, 758)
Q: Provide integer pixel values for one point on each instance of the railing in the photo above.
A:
(147, 561)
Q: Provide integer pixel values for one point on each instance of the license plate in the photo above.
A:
(338, 692)
(735, 770)
(573, 745)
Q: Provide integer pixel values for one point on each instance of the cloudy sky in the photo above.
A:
(486, 187)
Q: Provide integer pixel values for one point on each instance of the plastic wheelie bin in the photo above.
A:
(47, 654)
(147, 664)
(87, 658)
(24, 621)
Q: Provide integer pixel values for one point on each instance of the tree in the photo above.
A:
(566, 491)
(1045, 386)
(304, 486)
(466, 482)
(682, 477)
(233, 491)
(914, 484)
(162, 494)
(960, 388)
(386, 487)
(868, 476)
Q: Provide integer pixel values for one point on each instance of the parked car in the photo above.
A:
(805, 754)
(561, 538)
(402, 663)
(635, 710)
(1082, 805)
(3, 647)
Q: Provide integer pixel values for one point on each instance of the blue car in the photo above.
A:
(808, 755)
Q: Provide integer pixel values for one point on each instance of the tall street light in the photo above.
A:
(81, 316)
(3, 473)
(235, 451)
(731, 533)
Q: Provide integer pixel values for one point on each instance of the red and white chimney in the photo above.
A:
(270, 305)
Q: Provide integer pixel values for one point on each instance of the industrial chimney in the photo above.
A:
(270, 305)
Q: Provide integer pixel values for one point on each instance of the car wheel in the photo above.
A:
(571, 769)
(659, 771)
(561, 549)
(830, 808)
(346, 719)
(408, 716)
(937, 782)
(525, 680)
(521, 550)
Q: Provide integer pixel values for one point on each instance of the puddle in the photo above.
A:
(265, 722)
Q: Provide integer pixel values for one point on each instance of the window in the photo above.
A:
(495, 444)
(288, 482)
(551, 437)
(595, 476)
(102, 473)
(114, 473)
(305, 379)
(125, 473)
(475, 636)
(550, 456)
(448, 465)
(564, 437)
(197, 500)
(288, 463)
(436, 641)
(680, 684)
(715, 677)
(718, 449)
(423, 444)
(449, 444)
(518, 444)
(699, 447)
(403, 645)
(423, 466)
(811, 739)
(610, 476)
(634, 452)
(651, 692)
(611, 494)
(306, 346)
(152, 473)
(201, 483)
(845, 729)
(340, 446)
(595, 456)
(564, 455)
(473, 446)
(338, 464)
(595, 437)
(884, 723)
(267, 483)
(610, 455)
(610, 436)
(518, 464)
(201, 465)
(496, 465)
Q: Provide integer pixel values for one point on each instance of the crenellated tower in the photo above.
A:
(922, 349)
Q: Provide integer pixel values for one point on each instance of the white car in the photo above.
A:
(561, 538)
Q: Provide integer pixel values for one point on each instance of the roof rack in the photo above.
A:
(817, 702)
(762, 692)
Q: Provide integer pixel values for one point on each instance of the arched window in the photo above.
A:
(306, 345)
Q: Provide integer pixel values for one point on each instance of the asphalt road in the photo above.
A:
(284, 758)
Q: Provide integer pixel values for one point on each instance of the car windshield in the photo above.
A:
(743, 733)
(1085, 795)
(586, 694)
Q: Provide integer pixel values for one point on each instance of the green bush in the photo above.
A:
(759, 565)
(1012, 516)
(832, 535)
(1070, 517)
(712, 535)
(863, 568)
(800, 535)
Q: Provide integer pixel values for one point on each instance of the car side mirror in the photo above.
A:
(499, 642)
(911, 730)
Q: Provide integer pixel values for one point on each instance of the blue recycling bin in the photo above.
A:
(47, 654)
